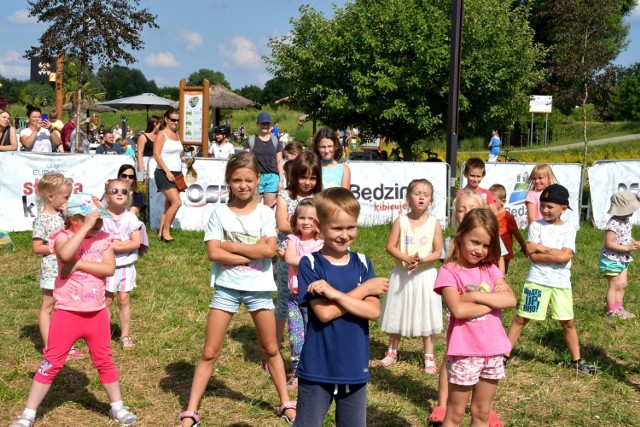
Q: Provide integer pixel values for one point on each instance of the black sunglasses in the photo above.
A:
(126, 175)
(174, 120)
(122, 191)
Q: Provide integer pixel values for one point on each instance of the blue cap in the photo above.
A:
(85, 203)
(263, 117)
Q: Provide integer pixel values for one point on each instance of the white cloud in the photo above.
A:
(13, 65)
(635, 13)
(192, 38)
(162, 60)
(242, 53)
(264, 78)
(21, 17)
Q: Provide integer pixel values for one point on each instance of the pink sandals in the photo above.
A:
(388, 360)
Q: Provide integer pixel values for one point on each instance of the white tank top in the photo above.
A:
(170, 153)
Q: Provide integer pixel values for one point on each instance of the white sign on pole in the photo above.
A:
(540, 104)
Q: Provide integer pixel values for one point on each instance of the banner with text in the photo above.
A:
(514, 177)
(608, 177)
(380, 187)
(22, 171)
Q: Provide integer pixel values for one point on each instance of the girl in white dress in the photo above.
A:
(411, 308)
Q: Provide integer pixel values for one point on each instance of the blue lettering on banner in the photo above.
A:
(531, 300)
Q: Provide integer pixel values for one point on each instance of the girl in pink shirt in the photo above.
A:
(475, 292)
(85, 259)
(541, 177)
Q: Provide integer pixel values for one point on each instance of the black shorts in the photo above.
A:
(162, 182)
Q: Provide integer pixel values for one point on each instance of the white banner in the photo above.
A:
(608, 177)
(380, 187)
(514, 177)
(21, 172)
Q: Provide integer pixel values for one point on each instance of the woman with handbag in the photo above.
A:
(168, 152)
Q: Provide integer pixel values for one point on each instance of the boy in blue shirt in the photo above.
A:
(342, 292)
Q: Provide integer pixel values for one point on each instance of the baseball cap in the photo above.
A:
(263, 117)
(85, 203)
(555, 193)
(623, 203)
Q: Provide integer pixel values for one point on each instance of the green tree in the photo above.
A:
(34, 93)
(274, 89)
(120, 81)
(627, 94)
(588, 35)
(90, 31)
(251, 92)
(169, 92)
(196, 78)
(383, 65)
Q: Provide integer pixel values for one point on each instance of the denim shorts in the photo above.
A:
(268, 183)
(229, 300)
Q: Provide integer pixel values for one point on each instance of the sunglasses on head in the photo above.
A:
(127, 176)
(122, 191)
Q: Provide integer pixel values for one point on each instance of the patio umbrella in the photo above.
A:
(144, 100)
(90, 106)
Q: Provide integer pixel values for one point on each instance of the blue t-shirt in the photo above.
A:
(336, 352)
(495, 145)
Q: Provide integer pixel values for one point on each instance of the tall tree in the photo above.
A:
(275, 89)
(90, 31)
(383, 65)
(120, 81)
(587, 35)
(627, 94)
(196, 78)
(251, 92)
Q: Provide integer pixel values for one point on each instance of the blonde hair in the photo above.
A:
(498, 191)
(51, 182)
(545, 170)
(332, 200)
(461, 195)
(477, 218)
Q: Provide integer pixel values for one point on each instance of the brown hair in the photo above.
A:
(166, 115)
(244, 159)
(479, 217)
(332, 200)
(331, 134)
(294, 148)
(306, 163)
(151, 123)
(474, 163)
(134, 181)
(498, 191)
(51, 182)
(307, 202)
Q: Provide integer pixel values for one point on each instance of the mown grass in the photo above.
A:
(169, 317)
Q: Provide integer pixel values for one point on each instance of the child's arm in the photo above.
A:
(521, 242)
(493, 208)
(501, 297)
(282, 216)
(610, 243)
(291, 256)
(39, 247)
(543, 255)
(434, 255)
(127, 245)
(392, 244)
(461, 309)
(264, 248)
(362, 301)
(215, 252)
(532, 212)
(104, 268)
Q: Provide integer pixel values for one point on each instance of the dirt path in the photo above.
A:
(580, 144)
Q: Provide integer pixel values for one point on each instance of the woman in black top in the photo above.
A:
(144, 144)
(128, 174)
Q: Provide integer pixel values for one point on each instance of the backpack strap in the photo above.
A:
(274, 141)
(252, 142)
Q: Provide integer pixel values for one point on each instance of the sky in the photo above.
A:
(229, 36)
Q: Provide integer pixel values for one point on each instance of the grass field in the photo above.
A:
(169, 317)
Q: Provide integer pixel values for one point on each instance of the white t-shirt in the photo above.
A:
(556, 237)
(122, 229)
(223, 151)
(225, 225)
(42, 144)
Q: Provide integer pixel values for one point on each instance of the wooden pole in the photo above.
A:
(59, 95)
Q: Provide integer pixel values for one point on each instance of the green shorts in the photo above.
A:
(535, 301)
(610, 267)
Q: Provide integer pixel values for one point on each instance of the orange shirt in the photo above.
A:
(507, 226)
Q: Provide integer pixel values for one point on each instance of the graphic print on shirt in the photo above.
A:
(246, 239)
(475, 287)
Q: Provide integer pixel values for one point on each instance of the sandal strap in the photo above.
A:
(189, 414)
(292, 404)
(23, 421)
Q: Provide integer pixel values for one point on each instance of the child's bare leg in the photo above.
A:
(515, 330)
(113, 391)
(217, 324)
(391, 355)
(427, 342)
(443, 384)
(44, 317)
(125, 313)
(37, 394)
(108, 298)
(612, 293)
(622, 286)
(280, 325)
(429, 360)
(571, 338)
(456, 404)
(482, 401)
(265, 322)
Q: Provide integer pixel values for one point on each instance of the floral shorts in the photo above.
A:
(467, 370)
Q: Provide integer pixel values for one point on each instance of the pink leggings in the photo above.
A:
(66, 328)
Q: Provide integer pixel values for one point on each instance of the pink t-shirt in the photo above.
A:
(484, 335)
(81, 291)
(485, 194)
(302, 248)
(533, 197)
